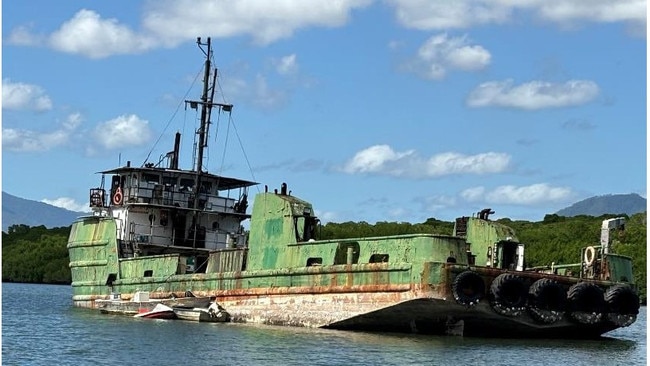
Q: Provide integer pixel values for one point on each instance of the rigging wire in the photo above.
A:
(172, 117)
(231, 121)
(220, 170)
(225, 145)
(216, 133)
(241, 145)
(195, 144)
(206, 155)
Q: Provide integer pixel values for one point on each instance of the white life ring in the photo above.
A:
(117, 197)
(590, 255)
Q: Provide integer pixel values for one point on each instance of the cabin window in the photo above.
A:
(169, 181)
(134, 180)
(115, 182)
(314, 261)
(206, 187)
(347, 253)
(153, 178)
(148, 273)
(378, 258)
(187, 183)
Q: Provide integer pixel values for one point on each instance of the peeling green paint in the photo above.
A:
(620, 268)
(275, 258)
(280, 261)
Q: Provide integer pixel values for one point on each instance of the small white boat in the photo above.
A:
(214, 314)
(160, 311)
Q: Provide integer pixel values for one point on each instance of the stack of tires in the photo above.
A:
(547, 301)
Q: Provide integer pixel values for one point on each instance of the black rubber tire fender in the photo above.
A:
(622, 305)
(622, 299)
(468, 288)
(509, 294)
(546, 301)
(586, 303)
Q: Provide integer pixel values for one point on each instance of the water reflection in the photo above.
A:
(40, 327)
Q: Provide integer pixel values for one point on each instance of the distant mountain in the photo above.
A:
(16, 210)
(608, 204)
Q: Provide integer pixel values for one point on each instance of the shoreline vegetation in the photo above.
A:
(39, 255)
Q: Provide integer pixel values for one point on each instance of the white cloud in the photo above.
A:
(455, 163)
(73, 121)
(441, 53)
(258, 92)
(533, 95)
(512, 195)
(428, 15)
(68, 204)
(21, 140)
(374, 159)
(437, 202)
(398, 212)
(383, 160)
(473, 194)
(22, 36)
(326, 216)
(32, 141)
(125, 130)
(286, 65)
(594, 10)
(90, 35)
(265, 21)
(439, 15)
(167, 23)
(21, 96)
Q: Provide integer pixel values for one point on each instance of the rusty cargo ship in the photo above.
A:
(165, 232)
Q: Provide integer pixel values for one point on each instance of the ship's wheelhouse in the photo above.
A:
(158, 208)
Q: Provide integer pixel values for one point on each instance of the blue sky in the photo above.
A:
(396, 110)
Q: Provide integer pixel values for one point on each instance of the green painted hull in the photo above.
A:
(412, 292)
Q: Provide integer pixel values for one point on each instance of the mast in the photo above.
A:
(205, 109)
(206, 112)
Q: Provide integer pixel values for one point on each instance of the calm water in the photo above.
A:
(40, 327)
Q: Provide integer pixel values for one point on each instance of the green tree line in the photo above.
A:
(39, 255)
(35, 255)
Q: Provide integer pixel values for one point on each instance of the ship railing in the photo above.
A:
(157, 194)
(557, 269)
(169, 196)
